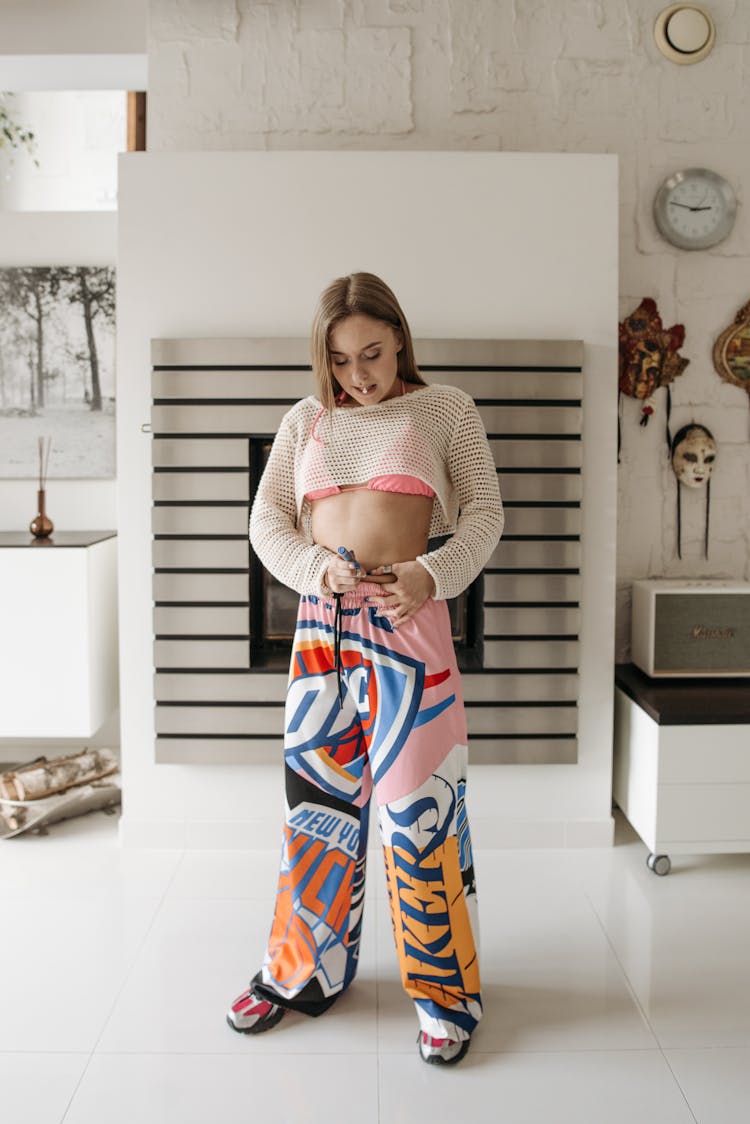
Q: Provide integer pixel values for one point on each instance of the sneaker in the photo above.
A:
(441, 1051)
(251, 1014)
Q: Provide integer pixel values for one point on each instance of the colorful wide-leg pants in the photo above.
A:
(396, 727)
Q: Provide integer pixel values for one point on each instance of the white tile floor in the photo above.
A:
(612, 996)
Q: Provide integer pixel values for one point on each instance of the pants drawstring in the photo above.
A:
(337, 647)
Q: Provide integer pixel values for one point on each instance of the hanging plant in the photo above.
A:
(13, 135)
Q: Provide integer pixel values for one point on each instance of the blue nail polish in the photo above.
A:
(348, 557)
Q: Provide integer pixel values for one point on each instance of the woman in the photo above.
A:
(357, 482)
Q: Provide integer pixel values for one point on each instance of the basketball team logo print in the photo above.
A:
(429, 893)
(317, 922)
(325, 741)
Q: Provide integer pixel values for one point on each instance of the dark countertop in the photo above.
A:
(57, 538)
(691, 701)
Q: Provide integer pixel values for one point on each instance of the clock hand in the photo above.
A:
(687, 207)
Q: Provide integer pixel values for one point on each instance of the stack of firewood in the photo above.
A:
(47, 790)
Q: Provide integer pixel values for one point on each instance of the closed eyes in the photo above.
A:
(366, 355)
(693, 459)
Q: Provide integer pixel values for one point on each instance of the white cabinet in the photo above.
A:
(58, 634)
(682, 763)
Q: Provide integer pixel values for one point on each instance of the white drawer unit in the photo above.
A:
(58, 610)
(682, 763)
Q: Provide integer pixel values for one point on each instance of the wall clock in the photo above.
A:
(695, 209)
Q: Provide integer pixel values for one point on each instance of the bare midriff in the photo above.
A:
(380, 527)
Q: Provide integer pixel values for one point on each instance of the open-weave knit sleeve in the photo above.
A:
(281, 547)
(454, 565)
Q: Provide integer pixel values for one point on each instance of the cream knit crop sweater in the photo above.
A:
(434, 433)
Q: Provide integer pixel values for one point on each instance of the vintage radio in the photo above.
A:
(691, 627)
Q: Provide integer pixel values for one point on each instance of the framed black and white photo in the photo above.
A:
(57, 370)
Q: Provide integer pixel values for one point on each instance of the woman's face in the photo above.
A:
(364, 357)
(693, 459)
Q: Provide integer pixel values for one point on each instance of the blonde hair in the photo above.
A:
(356, 294)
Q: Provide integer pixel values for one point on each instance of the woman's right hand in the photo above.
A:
(343, 576)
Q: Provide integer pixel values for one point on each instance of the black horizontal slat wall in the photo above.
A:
(522, 706)
(209, 395)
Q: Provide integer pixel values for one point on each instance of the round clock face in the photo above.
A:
(695, 209)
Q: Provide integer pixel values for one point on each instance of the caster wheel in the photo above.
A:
(660, 864)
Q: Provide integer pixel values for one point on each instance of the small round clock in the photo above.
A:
(695, 209)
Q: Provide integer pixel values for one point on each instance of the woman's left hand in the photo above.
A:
(412, 587)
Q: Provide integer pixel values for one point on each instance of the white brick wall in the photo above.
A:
(522, 75)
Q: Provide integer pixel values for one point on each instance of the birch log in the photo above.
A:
(37, 814)
(46, 777)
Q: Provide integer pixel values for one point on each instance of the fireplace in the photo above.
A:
(222, 625)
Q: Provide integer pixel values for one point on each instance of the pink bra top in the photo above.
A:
(395, 482)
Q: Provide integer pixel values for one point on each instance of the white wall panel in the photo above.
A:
(240, 244)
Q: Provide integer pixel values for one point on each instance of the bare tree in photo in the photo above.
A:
(28, 290)
(57, 368)
(94, 290)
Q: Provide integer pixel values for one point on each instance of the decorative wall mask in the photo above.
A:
(693, 455)
(649, 358)
(731, 353)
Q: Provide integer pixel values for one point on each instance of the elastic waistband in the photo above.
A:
(354, 599)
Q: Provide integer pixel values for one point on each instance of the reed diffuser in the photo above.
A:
(42, 526)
